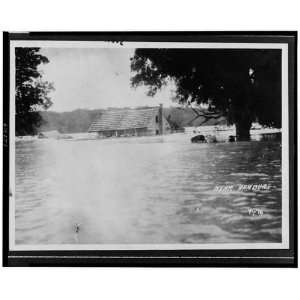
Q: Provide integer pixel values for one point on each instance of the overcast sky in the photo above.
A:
(95, 78)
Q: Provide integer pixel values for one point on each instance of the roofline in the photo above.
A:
(114, 129)
(128, 108)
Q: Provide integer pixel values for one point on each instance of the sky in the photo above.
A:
(91, 78)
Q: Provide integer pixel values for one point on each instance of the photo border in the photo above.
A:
(246, 257)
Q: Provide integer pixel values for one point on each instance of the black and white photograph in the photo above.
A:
(149, 145)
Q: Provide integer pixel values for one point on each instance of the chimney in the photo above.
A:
(160, 119)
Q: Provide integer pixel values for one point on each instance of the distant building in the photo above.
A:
(131, 122)
(49, 134)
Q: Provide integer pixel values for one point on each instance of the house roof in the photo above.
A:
(120, 119)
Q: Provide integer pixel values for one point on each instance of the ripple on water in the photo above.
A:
(151, 191)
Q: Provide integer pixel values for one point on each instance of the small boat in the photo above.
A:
(198, 139)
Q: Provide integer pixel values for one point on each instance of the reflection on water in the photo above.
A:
(146, 190)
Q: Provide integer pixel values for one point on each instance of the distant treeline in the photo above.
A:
(68, 122)
(79, 120)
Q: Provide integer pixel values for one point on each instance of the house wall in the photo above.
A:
(126, 132)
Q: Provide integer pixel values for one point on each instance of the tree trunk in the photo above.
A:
(243, 129)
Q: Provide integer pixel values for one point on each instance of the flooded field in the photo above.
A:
(147, 190)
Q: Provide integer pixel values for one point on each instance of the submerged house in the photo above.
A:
(131, 122)
(48, 134)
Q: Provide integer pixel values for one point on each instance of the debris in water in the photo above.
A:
(77, 227)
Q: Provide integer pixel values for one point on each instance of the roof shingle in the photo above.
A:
(120, 119)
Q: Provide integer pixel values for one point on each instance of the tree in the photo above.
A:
(31, 90)
(244, 85)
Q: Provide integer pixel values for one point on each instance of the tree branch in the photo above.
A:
(207, 116)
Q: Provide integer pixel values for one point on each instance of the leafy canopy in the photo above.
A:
(242, 84)
(31, 90)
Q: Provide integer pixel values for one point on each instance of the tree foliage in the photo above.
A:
(244, 85)
(31, 90)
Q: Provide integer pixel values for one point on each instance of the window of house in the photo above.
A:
(156, 119)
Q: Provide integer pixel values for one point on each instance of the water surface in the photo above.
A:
(146, 190)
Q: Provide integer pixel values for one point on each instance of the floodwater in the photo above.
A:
(147, 190)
